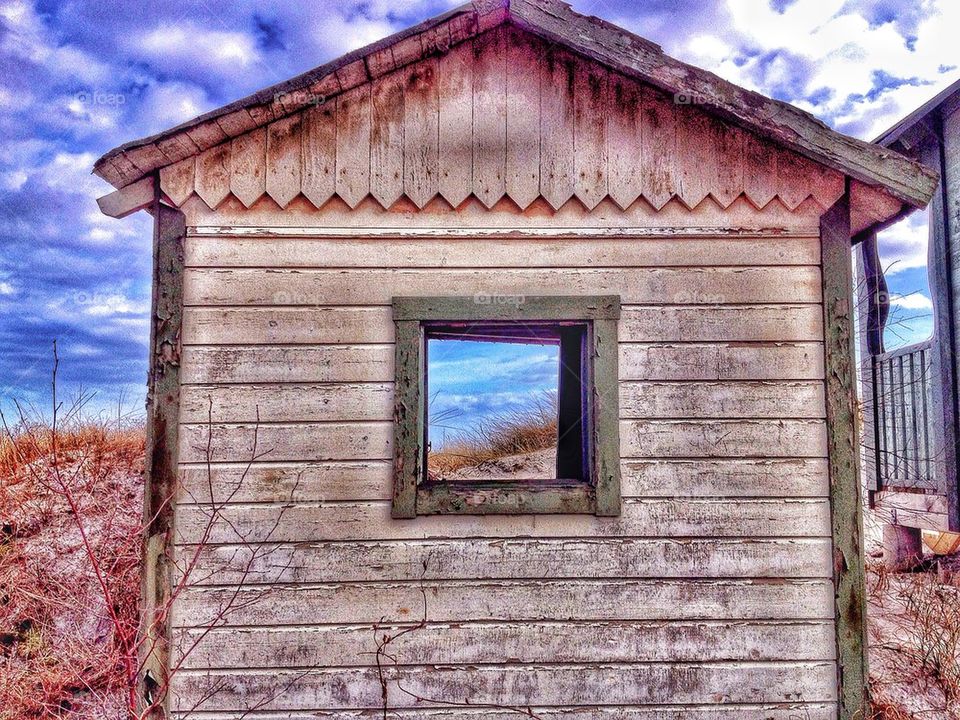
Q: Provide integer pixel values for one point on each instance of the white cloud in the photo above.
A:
(913, 301)
(6, 288)
(187, 45)
(904, 246)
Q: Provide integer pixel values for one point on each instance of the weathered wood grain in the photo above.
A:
(590, 112)
(278, 482)
(719, 361)
(353, 145)
(527, 685)
(679, 517)
(490, 117)
(319, 163)
(723, 438)
(659, 149)
(556, 251)
(373, 401)
(386, 138)
(455, 82)
(624, 150)
(557, 126)
(248, 166)
(330, 363)
(509, 559)
(760, 170)
(504, 600)
(524, 78)
(781, 711)
(285, 159)
(749, 399)
(421, 134)
(528, 643)
(177, 180)
(703, 323)
(213, 175)
(645, 286)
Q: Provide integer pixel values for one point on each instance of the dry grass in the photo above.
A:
(915, 645)
(59, 656)
(516, 432)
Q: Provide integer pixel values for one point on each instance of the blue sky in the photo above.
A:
(79, 78)
(471, 381)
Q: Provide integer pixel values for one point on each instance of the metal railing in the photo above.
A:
(906, 433)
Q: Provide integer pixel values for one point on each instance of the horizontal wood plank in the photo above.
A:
(730, 711)
(272, 482)
(654, 286)
(269, 251)
(523, 685)
(312, 442)
(374, 401)
(507, 559)
(320, 325)
(679, 517)
(560, 600)
(721, 361)
(484, 644)
(271, 364)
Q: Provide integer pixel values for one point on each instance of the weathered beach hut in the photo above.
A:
(511, 171)
(911, 394)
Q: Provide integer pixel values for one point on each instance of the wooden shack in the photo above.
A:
(911, 393)
(687, 243)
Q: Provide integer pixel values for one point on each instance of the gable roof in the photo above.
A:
(900, 131)
(553, 21)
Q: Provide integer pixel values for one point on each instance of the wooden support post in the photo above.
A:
(843, 452)
(161, 474)
(941, 267)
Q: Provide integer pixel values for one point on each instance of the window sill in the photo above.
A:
(506, 497)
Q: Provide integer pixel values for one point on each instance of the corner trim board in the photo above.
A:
(843, 449)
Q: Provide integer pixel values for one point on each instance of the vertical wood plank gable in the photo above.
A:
(353, 145)
(421, 133)
(625, 156)
(590, 133)
(760, 170)
(248, 166)
(213, 175)
(320, 153)
(284, 159)
(177, 180)
(490, 117)
(455, 85)
(386, 139)
(524, 73)
(697, 136)
(557, 126)
(730, 143)
(659, 148)
(793, 178)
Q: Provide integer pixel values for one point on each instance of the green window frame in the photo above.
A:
(586, 327)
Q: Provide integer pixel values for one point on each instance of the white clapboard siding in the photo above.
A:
(509, 559)
(373, 401)
(676, 517)
(273, 482)
(650, 286)
(524, 684)
(509, 600)
(611, 642)
(374, 440)
(267, 251)
(719, 361)
(330, 363)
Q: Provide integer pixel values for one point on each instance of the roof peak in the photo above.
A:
(554, 21)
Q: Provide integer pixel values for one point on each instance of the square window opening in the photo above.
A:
(506, 410)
